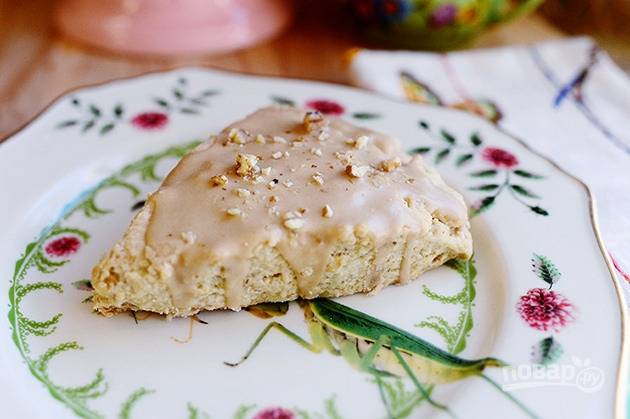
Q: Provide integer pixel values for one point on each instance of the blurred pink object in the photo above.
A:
(168, 27)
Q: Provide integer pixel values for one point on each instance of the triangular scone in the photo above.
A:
(284, 204)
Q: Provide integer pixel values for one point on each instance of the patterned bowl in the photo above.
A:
(433, 24)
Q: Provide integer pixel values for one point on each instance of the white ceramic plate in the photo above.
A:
(544, 299)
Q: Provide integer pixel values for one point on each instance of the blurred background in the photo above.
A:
(48, 47)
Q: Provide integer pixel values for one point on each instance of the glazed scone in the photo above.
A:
(283, 204)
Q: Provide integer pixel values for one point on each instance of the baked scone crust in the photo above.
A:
(284, 204)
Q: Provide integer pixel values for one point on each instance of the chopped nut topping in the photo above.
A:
(327, 211)
(359, 142)
(287, 183)
(323, 135)
(302, 211)
(391, 164)
(237, 136)
(316, 151)
(266, 171)
(218, 180)
(308, 271)
(314, 120)
(260, 139)
(189, 237)
(317, 178)
(294, 223)
(291, 214)
(247, 165)
(273, 211)
(234, 212)
(274, 199)
(279, 140)
(409, 201)
(286, 154)
(356, 171)
(344, 157)
(277, 155)
(243, 193)
(297, 142)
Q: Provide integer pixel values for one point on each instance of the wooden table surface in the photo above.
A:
(37, 64)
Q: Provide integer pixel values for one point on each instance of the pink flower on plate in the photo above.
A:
(275, 413)
(499, 157)
(544, 309)
(63, 246)
(327, 107)
(150, 120)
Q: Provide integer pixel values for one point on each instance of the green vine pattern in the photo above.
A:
(454, 336)
(34, 257)
(132, 400)
(402, 402)
(195, 413)
(243, 411)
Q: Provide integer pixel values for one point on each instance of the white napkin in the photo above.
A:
(565, 98)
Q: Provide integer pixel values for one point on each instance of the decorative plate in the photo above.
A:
(543, 299)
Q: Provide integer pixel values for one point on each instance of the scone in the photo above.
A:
(283, 204)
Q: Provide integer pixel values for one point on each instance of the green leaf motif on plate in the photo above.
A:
(475, 139)
(447, 136)
(484, 173)
(441, 155)
(420, 150)
(488, 187)
(545, 269)
(523, 191)
(484, 205)
(547, 351)
(539, 210)
(365, 115)
(282, 100)
(526, 174)
(463, 159)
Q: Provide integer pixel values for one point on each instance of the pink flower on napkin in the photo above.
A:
(544, 309)
(150, 120)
